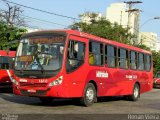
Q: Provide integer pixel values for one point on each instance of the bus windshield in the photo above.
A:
(40, 53)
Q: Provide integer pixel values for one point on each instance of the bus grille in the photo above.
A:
(33, 84)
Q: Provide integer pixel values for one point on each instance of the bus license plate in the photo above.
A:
(32, 91)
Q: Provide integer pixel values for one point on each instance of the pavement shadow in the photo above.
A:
(112, 99)
(156, 87)
(36, 102)
(56, 102)
(6, 90)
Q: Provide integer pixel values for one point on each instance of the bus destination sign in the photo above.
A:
(49, 40)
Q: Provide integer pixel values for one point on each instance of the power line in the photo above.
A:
(32, 27)
(64, 16)
(55, 14)
(41, 20)
(45, 21)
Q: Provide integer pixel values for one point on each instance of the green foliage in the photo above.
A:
(156, 61)
(9, 33)
(142, 46)
(103, 28)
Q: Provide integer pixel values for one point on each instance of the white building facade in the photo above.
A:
(150, 39)
(117, 12)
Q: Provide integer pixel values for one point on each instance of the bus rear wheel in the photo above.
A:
(46, 100)
(136, 93)
(89, 96)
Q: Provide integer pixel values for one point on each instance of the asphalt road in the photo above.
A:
(149, 103)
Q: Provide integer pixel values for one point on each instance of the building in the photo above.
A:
(149, 39)
(117, 12)
(158, 44)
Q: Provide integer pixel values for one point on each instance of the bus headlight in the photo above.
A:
(56, 82)
(15, 82)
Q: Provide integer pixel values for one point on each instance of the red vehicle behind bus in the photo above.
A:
(72, 64)
(6, 64)
(156, 80)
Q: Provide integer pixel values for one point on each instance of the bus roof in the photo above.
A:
(7, 53)
(90, 36)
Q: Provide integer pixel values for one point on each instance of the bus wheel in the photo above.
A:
(89, 96)
(136, 93)
(46, 100)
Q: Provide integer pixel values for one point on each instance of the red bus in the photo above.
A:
(72, 64)
(6, 64)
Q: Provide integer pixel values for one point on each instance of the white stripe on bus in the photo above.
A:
(9, 74)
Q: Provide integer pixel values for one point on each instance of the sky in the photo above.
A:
(73, 8)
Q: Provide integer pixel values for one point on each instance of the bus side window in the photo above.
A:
(91, 58)
(110, 56)
(123, 58)
(75, 57)
(133, 60)
(148, 62)
(4, 61)
(140, 61)
(96, 53)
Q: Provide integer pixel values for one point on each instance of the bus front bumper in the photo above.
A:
(56, 91)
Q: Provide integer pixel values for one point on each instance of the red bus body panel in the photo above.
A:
(118, 82)
(4, 73)
(7, 53)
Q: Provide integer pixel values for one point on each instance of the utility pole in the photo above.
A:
(130, 11)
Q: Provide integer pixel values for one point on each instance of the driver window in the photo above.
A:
(76, 53)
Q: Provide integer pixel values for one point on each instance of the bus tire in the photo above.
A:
(46, 100)
(89, 96)
(136, 93)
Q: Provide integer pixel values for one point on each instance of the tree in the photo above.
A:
(12, 16)
(156, 61)
(11, 26)
(101, 27)
(142, 46)
(9, 33)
